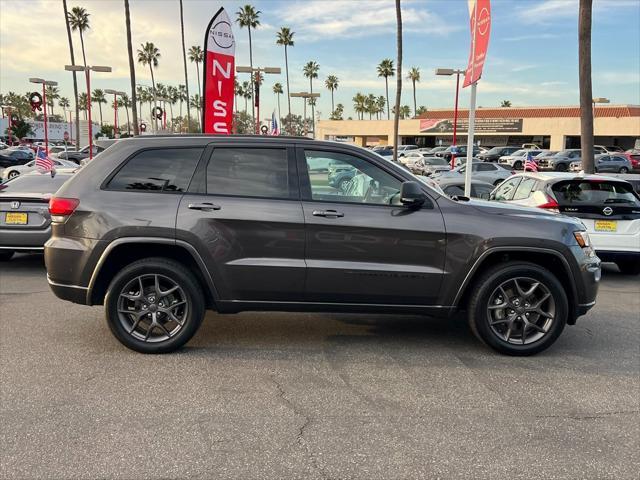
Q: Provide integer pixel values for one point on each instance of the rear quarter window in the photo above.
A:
(158, 170)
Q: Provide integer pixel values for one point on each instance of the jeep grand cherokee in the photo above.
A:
(162, 228)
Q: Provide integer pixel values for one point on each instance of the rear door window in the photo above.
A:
(506, 190)
(251, 172)
(158, 170)
(524, 189)
(585, 192)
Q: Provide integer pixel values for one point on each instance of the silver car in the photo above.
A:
(483, 171)
(25, 223)
(606, 163)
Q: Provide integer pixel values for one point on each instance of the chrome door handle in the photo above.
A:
(327, 213)
(206, 207)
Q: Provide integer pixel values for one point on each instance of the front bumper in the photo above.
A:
(587, 281)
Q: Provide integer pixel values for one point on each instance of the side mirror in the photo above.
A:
(411, 195)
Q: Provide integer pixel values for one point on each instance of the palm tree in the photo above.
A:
(386, 70)
(505, 103)
(246, 94)
(248, 17)
(172, 97)
(184, 61)
(132, 71)
(332, 84)
(97, 96)
(196, 103)
(396, 117)
(148, 54)
(83, 104)
(79, 20)
(370, 105)
(125, 102)
(414, 76)
(73, 62)
(285, 38)
(421, 109)
(64, 103)
(277, 89)
(196, 55)
(182, 96)
(237, 91)
(381, 104)
(310, 71)
(359, 105)
(52, 93)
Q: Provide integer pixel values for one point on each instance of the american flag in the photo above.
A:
(43, 163)
(530, 163)
(274, 128)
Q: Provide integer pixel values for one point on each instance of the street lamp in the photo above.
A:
(306, 96)
(45, 84)
(598, 100)
(87, 74)
(115, 94)
(255, 87)
(448, 72)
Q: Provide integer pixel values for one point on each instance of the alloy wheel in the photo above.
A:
(521, 310)
(152, 308)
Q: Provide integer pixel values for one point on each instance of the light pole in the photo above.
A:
(164, 101)
(115, 94)
(598, 100)
(448, 72)
(305, 96)
(45, 84)
(256, 71)
(87, 73)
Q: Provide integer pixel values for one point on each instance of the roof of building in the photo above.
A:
(537, 112)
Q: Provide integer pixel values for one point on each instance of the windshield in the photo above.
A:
(40, 183)
(436, 161)
(585, 192)
(495, 150)
(519, 153)
(563, 153)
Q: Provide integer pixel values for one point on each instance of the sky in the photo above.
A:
(532, 57)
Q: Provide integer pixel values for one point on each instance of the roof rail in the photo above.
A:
(183, 135)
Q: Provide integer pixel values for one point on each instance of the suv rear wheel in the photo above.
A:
(518, 308)
(154, 305)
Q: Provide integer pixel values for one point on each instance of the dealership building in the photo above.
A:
(554, 127)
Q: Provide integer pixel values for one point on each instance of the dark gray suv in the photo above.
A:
(162, 228)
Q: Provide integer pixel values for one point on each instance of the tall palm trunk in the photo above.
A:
(253, 91)
(386, 87)
(132, 71)
(414, 98)
(396, 116)
(279, 116)
(155, 101)
(184, 59)
(198, 74)
(126, 109)
(100, 108)
(586, 94)
(75, 78)
(313, 116)
(171, 110)
(286, 67)
(332, 107)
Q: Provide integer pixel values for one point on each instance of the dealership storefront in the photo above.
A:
(549, 127)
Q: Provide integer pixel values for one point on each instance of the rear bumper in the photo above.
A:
(24, 239)
(72, 293)
(617, 256)
(587, 282)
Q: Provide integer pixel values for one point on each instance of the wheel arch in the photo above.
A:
(124, 251)
(546, 258)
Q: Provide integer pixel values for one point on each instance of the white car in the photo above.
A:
(405, 149)
(516, 159)
(14, 171)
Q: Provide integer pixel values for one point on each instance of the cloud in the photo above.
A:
(549, 10)
(534, 36)
(522, 68)
(317, 19)
(618, 78)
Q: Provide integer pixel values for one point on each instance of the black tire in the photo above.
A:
(6, 255)
(517, 165)
(485, 286)
(176, 273)
(623, 170)
(12, 174)
(629, 267)
(561, 167)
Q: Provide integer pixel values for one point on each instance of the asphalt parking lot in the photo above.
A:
(270, 395)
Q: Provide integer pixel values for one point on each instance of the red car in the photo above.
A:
(634, 158)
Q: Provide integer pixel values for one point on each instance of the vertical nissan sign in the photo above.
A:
(219, 75)
(480, 23)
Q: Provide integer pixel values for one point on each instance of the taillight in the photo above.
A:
(550, 204)
(61, 208)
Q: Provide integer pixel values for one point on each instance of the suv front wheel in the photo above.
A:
(154, 305)
(518, 308)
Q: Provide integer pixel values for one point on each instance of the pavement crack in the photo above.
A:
(301, 441)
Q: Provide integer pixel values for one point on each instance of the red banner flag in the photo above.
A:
(219, 75)
(480, 22)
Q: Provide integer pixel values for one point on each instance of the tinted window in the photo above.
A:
(362, 183)
(484, 167)
(581, 192)
(481, 191)
(166, 170)
(453, 190)
(40, 183)
(250, 172)
(524, 189)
